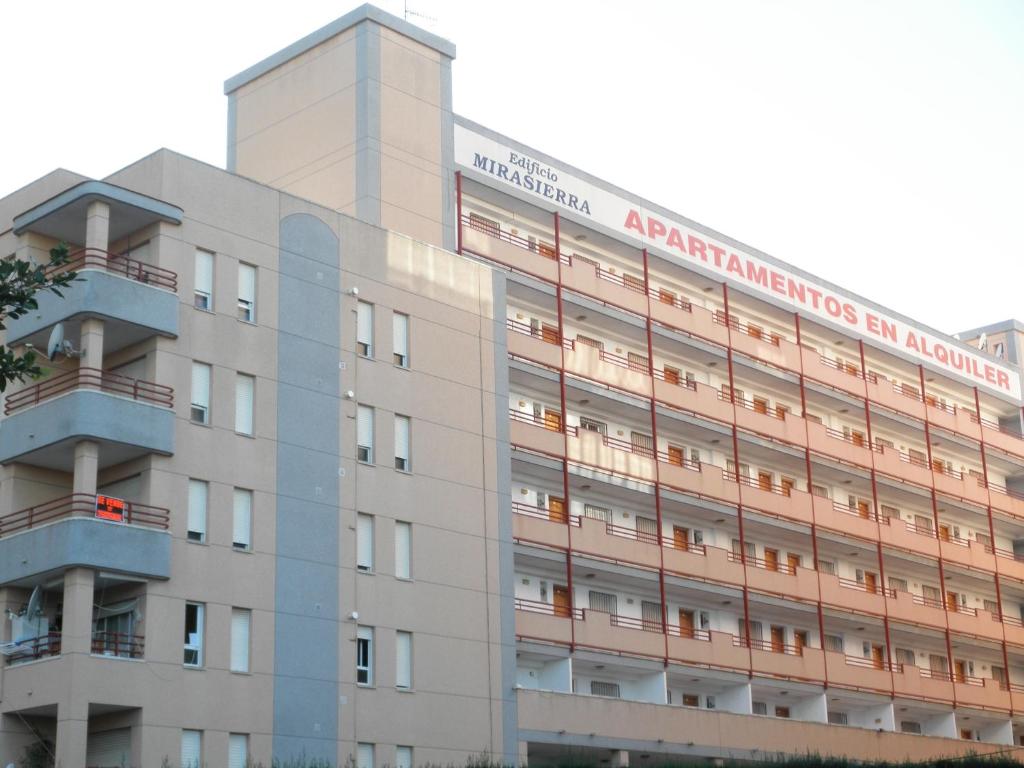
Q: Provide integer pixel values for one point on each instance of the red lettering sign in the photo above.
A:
(109, 508)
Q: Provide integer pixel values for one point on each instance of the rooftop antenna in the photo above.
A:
(409, 13)
(983, 341)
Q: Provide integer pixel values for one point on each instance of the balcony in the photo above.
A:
(844, 377)
(693, 397)
(969, 553)
(707, 648)
(862, 523)
(611, 454)
(916, 609)
(908, 536)
(917, 683)
(954, 418)
(616, 542)
(857, 672)
(766, 347)
(853, 595)
(903, 466)
(960, 485)
(537, 433)
(117, 645)
(779, 426)
(779, 659)
(837, 444)
(690, 319)
(539, 526)
(491, 242)
(1013, 630)
(611, 632)
(33, 649)
(704, 563)
(897, 397)
(779, 500)
(981, 692)
(127, 417)
(614, 370)
(75, 531)
(780, 578)
(705, 480)
(533, 344)
(1003, 499)
(974, 621)
(543, 621)
(136, 299)
(595, 281)
(1009, 564)
(1000, 437)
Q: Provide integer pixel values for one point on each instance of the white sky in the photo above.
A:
(878, 144)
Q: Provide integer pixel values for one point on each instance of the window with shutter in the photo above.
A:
(601, 688)
(200, 412)
(834, 643)
(403, 660)
(191, 749)
(403, 550)
(400, 339)
(241, 623)
(108, 749)
(238, 750)
(198, 494)
(402, 436)
(364, 656)
(838, 718)
(597, 513)
(603, 602)
(241, 523)
(364, 434)
(364, 329)
(244, 391)
(364, 756)
(364, 542)
(759, 708)
(203, 296)
(247, 293)
(403, 757)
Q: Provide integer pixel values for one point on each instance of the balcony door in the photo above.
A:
(650, 614)
(647, 529)
(560, 596)
(680, 537)
(878, 656)
(556, 509)
(778, 639)
(685, 623)
(771, 559)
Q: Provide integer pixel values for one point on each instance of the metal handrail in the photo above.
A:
(35, 648)
(79, 505)
(499, 234)
(677, 301)
(540, 421)
(549, 609)
(118, 644)
(526, 330)
(770, 645)
(90, 378)
(118, 264)
(846, 509)
(540, 514)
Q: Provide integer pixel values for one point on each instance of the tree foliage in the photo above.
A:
(20, 282)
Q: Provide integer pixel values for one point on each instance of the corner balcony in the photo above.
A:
(1005, 500)
(707, 648)
(75, 531)
(1000, 437)
(703, 562)
(115, 645)
(137, 300)
(595, 281)
(1009, 563)
(690, 319)
(779, 659)
(492, 243)
(127, 417)
(537, 345)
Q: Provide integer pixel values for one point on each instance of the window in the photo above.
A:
(403, 757)
(364, 655)
(364, 329)
(759, 708)
(400, 339)
(191, 749)
(204, 281)
(198, 493)
(834, 643)
(200, 393)
(364, 434)
(599, 688)
(593, 426)
(691, 700)
(238, 750)
(244, 388)
(597, 513)
(241, 525)
(604, 602)
(194, 634)
(364, 542)
(402, 430)
(403, 550)
(403, 660)
(909, 726)
(781, 711)
(364, 755)
(241, 622)
(838, 718)
(247, 293)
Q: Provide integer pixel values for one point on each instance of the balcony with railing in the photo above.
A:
(631, 374)
(976, 622)
(697, 477)
(117, 645)
(758, 343)
(960, 485)
(612, 632)
(986, 692)
(1003, 436)
(952, 416)
(783, 425)
(921, 683)
(692, 396)
(851, 447)
(707, 648)
(619, 288)
(691, 319)
(915, 609)
(972, 554)
(702, 562)
(1005, 499)
(903, 465)
(773, 657)
(779, 578)
(126, 416)
(851, 518)
(491, 240)
(546, 527)
(536, 620)
(542, 344)
(857, 672)
(862, 596)
(82, 529)
(903, 534)
(838, 375)
(616, 542)
(544, 433)
(32, 649)
(902, 398)
(612, 454)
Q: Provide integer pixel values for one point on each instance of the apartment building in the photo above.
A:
(654, 494)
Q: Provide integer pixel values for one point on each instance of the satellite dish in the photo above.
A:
(983, 341)
(35, 605)
(56, 343)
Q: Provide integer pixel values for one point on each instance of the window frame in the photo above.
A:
(406, 526)
(406, 637)
(364, 322)
(364, 453)
(236, 665)
(236, 494)
(364, 656)
(247, 305)
(365, 559)
(197, 648)
(239, 379)
(204, 533)
(206, 409)
(208, 305)
(403, 463)
(400, 357)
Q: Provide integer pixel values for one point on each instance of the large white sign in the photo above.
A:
(562, 190)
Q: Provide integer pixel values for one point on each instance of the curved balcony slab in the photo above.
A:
(45, 434)
(135, 311)
(86, 542)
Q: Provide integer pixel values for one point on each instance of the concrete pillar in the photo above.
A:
(620, 758)
(76, 630)
(72, 734)
(87, 463)
(97, 225)
(91, 343)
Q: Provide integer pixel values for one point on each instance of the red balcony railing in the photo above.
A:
(936, 674)
(553, 425)
(847, 368)
(495, 231)
(774, 647)
(555, 516)
(689, 632)
(765, 565)
(549, 609)
(625, 445)
(79, 505)
(117, 644)
(118, 264)
(753, 331)
(624, 532)
(90, 378)
(628, 622)
(865, 587)
(858, 661)
(931, 602)
(35, 648)
(665, 296)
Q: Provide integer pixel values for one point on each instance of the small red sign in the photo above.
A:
(109, 508)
